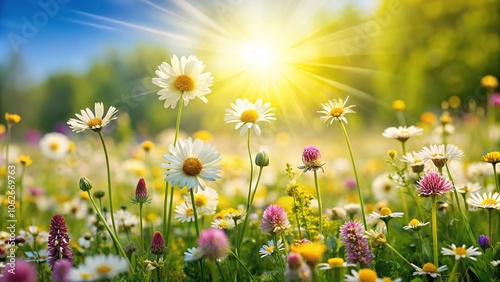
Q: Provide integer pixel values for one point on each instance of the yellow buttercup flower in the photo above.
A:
(489, 81)
(204, 135)
(147, 146)
(25, 160)
(12, 118)
(311, 252)
(398, 105)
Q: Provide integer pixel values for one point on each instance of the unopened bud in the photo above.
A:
(85, 184)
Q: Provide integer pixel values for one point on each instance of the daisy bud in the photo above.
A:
(483, 241)
(99, 194)
(262, 158)
(85, 184)
(157, 246)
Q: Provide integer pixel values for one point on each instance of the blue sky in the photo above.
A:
(65, 35)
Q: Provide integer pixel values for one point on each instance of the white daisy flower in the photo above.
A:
(193, 254)
(106, 266)
(206, 201)
(184, 212)
(86, 240)
(54, 145)
(125, 219)
(190, 164)
(270, 248)
(402, 133)
(333, 263)
(478, 170)
(441, 154)
(76, 207)
(468, 188)
(183, 79)
(377, 237)
(461, 252)
(415, 224)
(87, 119)
(383, 187)
(37, 256)
(246, 114)
(335, 110)
(486, 201)
(386, 213)
(352, 209)
(82, 273)
(415, 160)
(429, 268)
(495, 262)
(225, 223)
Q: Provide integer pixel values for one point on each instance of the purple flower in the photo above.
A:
(23, 271)
(311, 157)
(296, 269)
(274, 219)
(141, 191)
(61, 270)
(157, 246)
(214, 243)
(495, 99)
(358, 250)
(432, 183)
(483, 241)
(58, 243)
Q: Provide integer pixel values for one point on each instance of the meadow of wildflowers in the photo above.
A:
(181, 208)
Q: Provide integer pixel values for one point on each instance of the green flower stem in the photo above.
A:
(21, 193)
(242, 264)
(434, 229)
(453, 271)
(113, 236)
(158, 276)
(141, 248)
(360, 195)
(320, 207)
(465, 220)
(220, 271)
(195, 214)
(403, 198)
(397, 253)
(251, 168)
(249, 206)
(168, 221)
(496, 177)
(489, 225)
(337, 274)
(112, 211)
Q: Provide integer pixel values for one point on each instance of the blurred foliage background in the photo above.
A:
(419, 51)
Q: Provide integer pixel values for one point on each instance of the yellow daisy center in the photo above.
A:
(147, 146)
(488, 201)
(94, 122)
(386, 279)
(460, 251)
(335, 262)
(249, 116)
(387, 187)
(200, 200)
(103, 269)
(189, 212)
(414, 222)
(184, 83)
(429, 267)
(367, 275)
(385, 211)
(224, 224)
(336, 112)
(270, 249)
(54, 146)
(85, 275)
(192, 166)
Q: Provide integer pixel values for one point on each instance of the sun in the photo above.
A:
(259, 55)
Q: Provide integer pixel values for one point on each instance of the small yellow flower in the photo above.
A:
(489, 81)
(148, 146)
(25, 160)
(12, 118)
(71, 147)
(311, 252)
(151, 217)
(445, 118)
(84, 195)
(367, 275)
(454, 102)
(392, 154)
(203, 135)
(428, 118)
(398, 105)
(491, 157)
(2, 129)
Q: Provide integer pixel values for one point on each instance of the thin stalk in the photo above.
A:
(251, 168)
(158, 276)
(489, 225)
(249, 206)
(397, 253)
(453, 271)
(168, 221)
(113, 236)
(241, 263)
(220, 271)
(320, 207)
(21, 190)
(141, 248)
(195, 214)
(434, 229)
(112, 211)
(360, 195)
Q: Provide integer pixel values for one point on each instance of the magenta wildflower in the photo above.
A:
(141, 193)
(214, 243)
(311, 157)
(157, 246)
(495, 99)
(58, 242)
(23, 271)
(274, 219)
(296, 269)
(61, 270)
(358, 250)
(432, 183)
